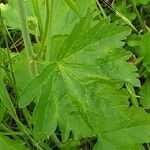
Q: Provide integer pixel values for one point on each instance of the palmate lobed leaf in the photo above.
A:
(66, 61)
(62, 88)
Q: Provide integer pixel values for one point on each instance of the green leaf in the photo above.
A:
(142, 1)
(7, 144)
(71, 4)
(63, 24)
(45, 120)
(76, 89)
(103, 144)
(2, 111)
(145, 50)
(145, 94)
(56, 99)
(97, 53)
(33, 88)
(135, 131)
(101, 32)
(5, 99)
(129, 126)
(3, 55)
(107, 104)
(82, 59)
(21, 70)
(12, 8)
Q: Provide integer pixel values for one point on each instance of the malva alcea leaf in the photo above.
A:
(81, 59)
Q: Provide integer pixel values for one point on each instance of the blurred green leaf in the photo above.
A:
(145, 49)
(145, 94)
(7, 144)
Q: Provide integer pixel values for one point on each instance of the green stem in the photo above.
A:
(139, 16)
(138, 61)
(56, 141)
(26, 37)
(132, 93)
(102, 10)
(47, 30)
(148, 146)
(38, 15)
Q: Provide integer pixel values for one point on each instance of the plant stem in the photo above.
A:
(56, 141)
(148, 146)
(102, 10)
(38, 15)
(138, 61)
(47, 30)
(26, 37)
(139, 16)
(132, 93)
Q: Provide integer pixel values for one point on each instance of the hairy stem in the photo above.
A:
(26, 37)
